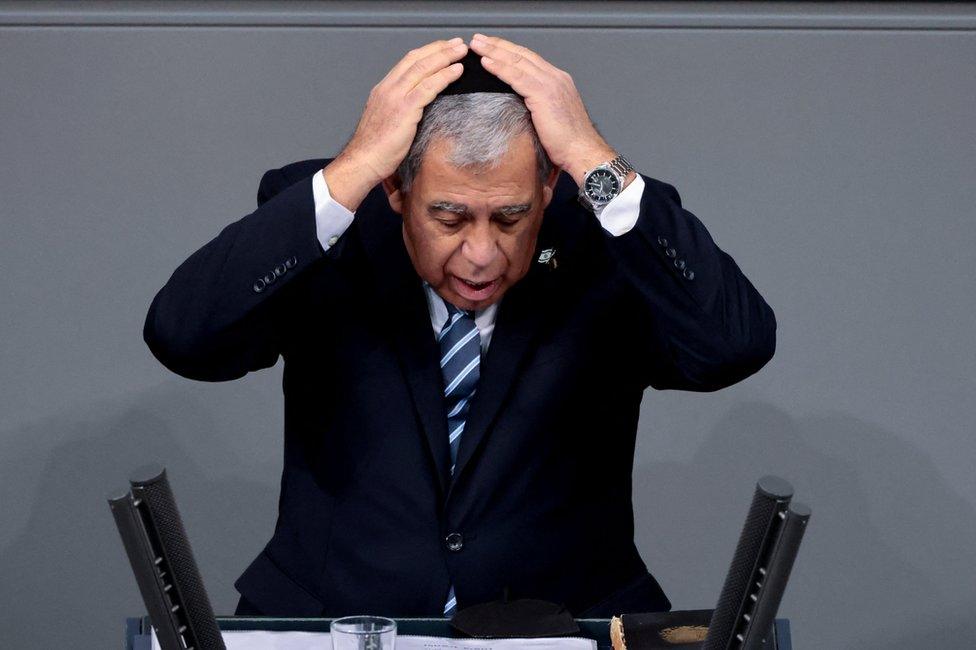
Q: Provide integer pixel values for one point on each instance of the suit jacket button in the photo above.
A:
(662, 240)
(670, 252)
(679, 264)
(259, 285)
(689, 274)
(291, 262)
(280, 270)
(454, 542)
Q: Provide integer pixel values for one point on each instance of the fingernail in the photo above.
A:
(486, 60)
(456, 39)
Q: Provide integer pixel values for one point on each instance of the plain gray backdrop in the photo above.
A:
(829, 148)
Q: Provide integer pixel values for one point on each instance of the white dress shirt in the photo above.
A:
(332, 219)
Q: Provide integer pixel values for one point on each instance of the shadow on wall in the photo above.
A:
(65, 578)
(890, 545)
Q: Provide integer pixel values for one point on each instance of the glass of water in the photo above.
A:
(363, 633)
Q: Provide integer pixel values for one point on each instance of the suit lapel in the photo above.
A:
(523, 312)
(419, 357)
(401, 298)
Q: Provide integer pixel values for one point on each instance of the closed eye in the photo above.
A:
(511, 214)
(450, 218)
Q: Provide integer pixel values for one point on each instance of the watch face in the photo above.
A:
(601, 186)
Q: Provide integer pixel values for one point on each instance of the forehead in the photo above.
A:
(513, 177)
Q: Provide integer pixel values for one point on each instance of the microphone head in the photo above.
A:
(119, 495)
(801, 510)
(147, 474)
(775, 487)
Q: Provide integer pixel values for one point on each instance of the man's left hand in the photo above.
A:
(560, 119)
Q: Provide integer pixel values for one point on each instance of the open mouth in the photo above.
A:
(477, 286)
(475, 291)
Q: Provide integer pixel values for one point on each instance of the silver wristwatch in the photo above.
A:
(604, 182)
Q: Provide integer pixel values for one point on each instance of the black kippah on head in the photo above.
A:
(475, 79)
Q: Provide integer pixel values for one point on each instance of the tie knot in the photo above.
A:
(452, 310)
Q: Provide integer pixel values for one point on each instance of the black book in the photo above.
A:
(679, 629)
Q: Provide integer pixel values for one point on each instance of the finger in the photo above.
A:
(521, 76)
(513, 68)
(425, 67)
(481, 44)
(418, 53)
(425, 91)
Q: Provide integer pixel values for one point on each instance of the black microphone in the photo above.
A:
(750, 565)
(755, 625)
(158, 549)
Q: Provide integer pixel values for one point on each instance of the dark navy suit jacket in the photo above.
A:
(540, 503)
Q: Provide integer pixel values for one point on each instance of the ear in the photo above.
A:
(549, 186)
(394, 194)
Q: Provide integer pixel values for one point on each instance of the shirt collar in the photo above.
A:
(483, 318)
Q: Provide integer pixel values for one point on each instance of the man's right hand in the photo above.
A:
(389, 121)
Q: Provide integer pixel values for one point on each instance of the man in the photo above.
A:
(466, 341)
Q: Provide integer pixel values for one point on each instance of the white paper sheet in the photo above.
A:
(323, 641)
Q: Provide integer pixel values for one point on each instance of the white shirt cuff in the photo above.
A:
(620, 215)
(331, 217)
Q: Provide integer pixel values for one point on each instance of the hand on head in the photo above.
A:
(396, 104)
(558, 114)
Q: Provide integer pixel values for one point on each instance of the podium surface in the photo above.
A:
(137, 630)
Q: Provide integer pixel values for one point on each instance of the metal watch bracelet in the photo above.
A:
(621, 166)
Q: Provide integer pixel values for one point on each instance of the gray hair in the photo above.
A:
(481, 126)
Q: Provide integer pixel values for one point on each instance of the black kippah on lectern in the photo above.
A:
(523, 618)
(475, 79)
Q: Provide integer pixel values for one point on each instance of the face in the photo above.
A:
(471, 234)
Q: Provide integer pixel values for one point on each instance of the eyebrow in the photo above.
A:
(460, 208)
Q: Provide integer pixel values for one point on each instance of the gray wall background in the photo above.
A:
(829, 148)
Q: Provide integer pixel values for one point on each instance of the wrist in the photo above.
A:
(586, 160)
(349, 181)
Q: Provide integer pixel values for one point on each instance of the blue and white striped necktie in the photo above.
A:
(461, 366)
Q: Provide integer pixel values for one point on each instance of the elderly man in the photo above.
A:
(467, 337)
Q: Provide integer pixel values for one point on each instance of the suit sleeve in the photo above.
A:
(704, 326)
(220, 314)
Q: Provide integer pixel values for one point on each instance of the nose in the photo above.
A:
(480, 247)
